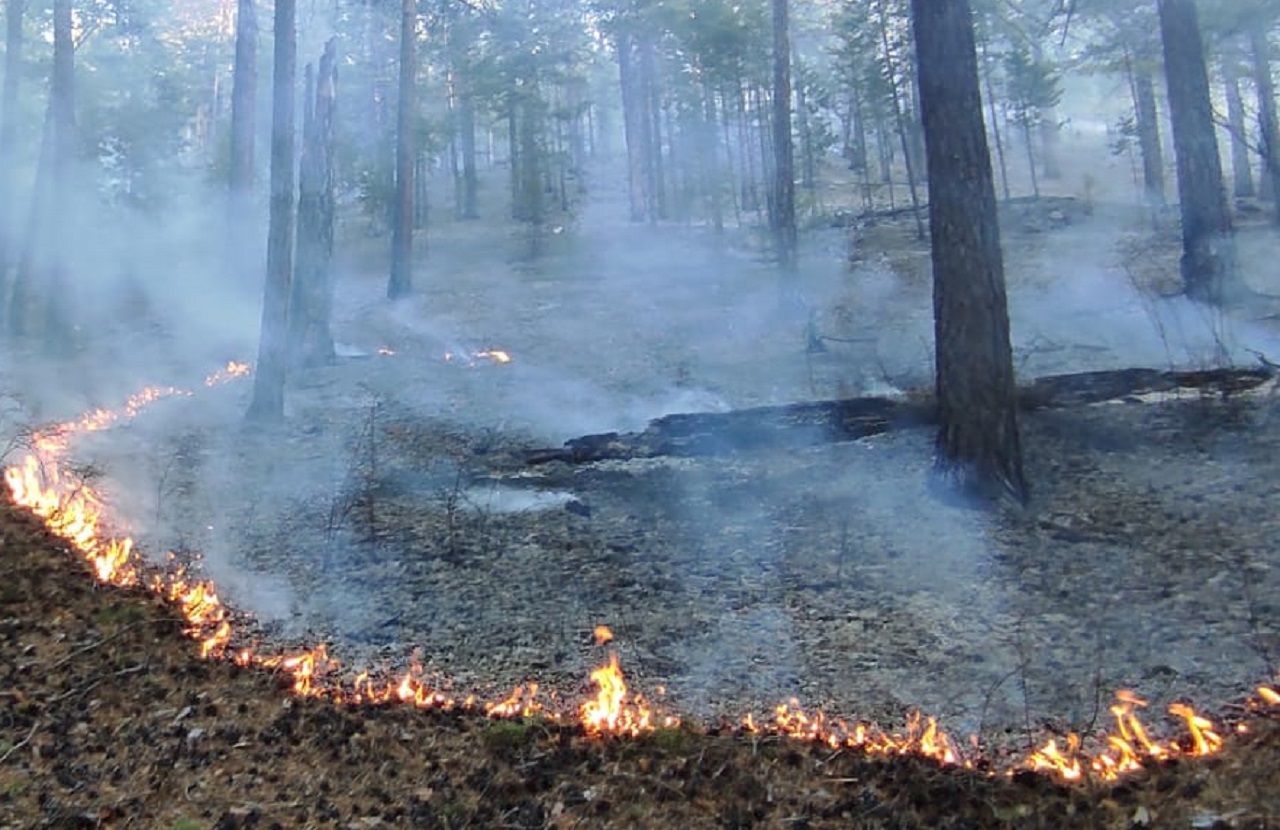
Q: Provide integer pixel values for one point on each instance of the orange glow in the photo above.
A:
(1269, 695)
(603, 634)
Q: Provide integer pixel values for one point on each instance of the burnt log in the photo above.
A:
(816, 422)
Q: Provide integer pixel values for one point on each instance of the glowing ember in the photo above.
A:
(387, 351)
(230, 372)
(499, 356)
(74, 511)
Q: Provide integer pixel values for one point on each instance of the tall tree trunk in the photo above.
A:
(1208, 245)
(13, 12)
(41, 276)
(467, 138)
(1265, 86)
(311, 303)
(633, 130)
(401, 282)
(784, 176)
(268, 384)
(1148, 122)
(979, 447)
(244, 92)
(1241, 174)
(1029, 143)
(653, 123)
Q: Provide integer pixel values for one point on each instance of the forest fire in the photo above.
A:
(499, 357)
(75, 511)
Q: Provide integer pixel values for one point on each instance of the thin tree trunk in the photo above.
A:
(1208, 245)
(311, 304)
(470, 184)
(268, 385)
(1148, 123)
(784, 177)
(985, 67)
(1266, 110)
(1031, 158)
(633, 132)
(979, 447)
(401, 282)
(900, 120)
(1241, 174)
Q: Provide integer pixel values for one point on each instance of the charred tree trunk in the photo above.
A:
(1241, 173)
(401, 282)
(1148, 123)
(311, 303)
(1263, 82)
(1208, 246)
(267, 405)
(979, 447)
(13, 11)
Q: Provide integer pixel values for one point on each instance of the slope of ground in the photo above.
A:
(109, 720)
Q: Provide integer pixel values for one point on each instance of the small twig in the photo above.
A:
(21, 743)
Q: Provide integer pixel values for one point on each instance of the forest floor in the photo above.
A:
(387, 520)
(110, 720)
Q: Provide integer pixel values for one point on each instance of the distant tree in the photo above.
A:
(244, 92)
(1034, 91)
(401, 282)
(267, 405)
(1268, 124)
(13, 12)
(1237, 134)
(784, 183)
(1208, 243)
(42, 276)
(979, 446)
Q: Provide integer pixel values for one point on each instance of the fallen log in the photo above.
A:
(810, 423)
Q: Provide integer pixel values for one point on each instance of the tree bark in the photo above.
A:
(979, 446)
(1241, 173)
(267, 405)
(401, 281)
(1267, 121)
(784, 177)
(311, 300)
(1208, 246)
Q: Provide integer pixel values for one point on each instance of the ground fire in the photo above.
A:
(77, 513)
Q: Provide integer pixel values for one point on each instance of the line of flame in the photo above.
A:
(74, 511)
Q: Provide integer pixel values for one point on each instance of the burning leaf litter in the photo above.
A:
(76, 512)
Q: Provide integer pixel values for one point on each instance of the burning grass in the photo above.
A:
(75, 512)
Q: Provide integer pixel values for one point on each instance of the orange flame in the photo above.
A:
(603, 634)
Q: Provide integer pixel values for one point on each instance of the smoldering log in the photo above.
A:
(817, 422)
